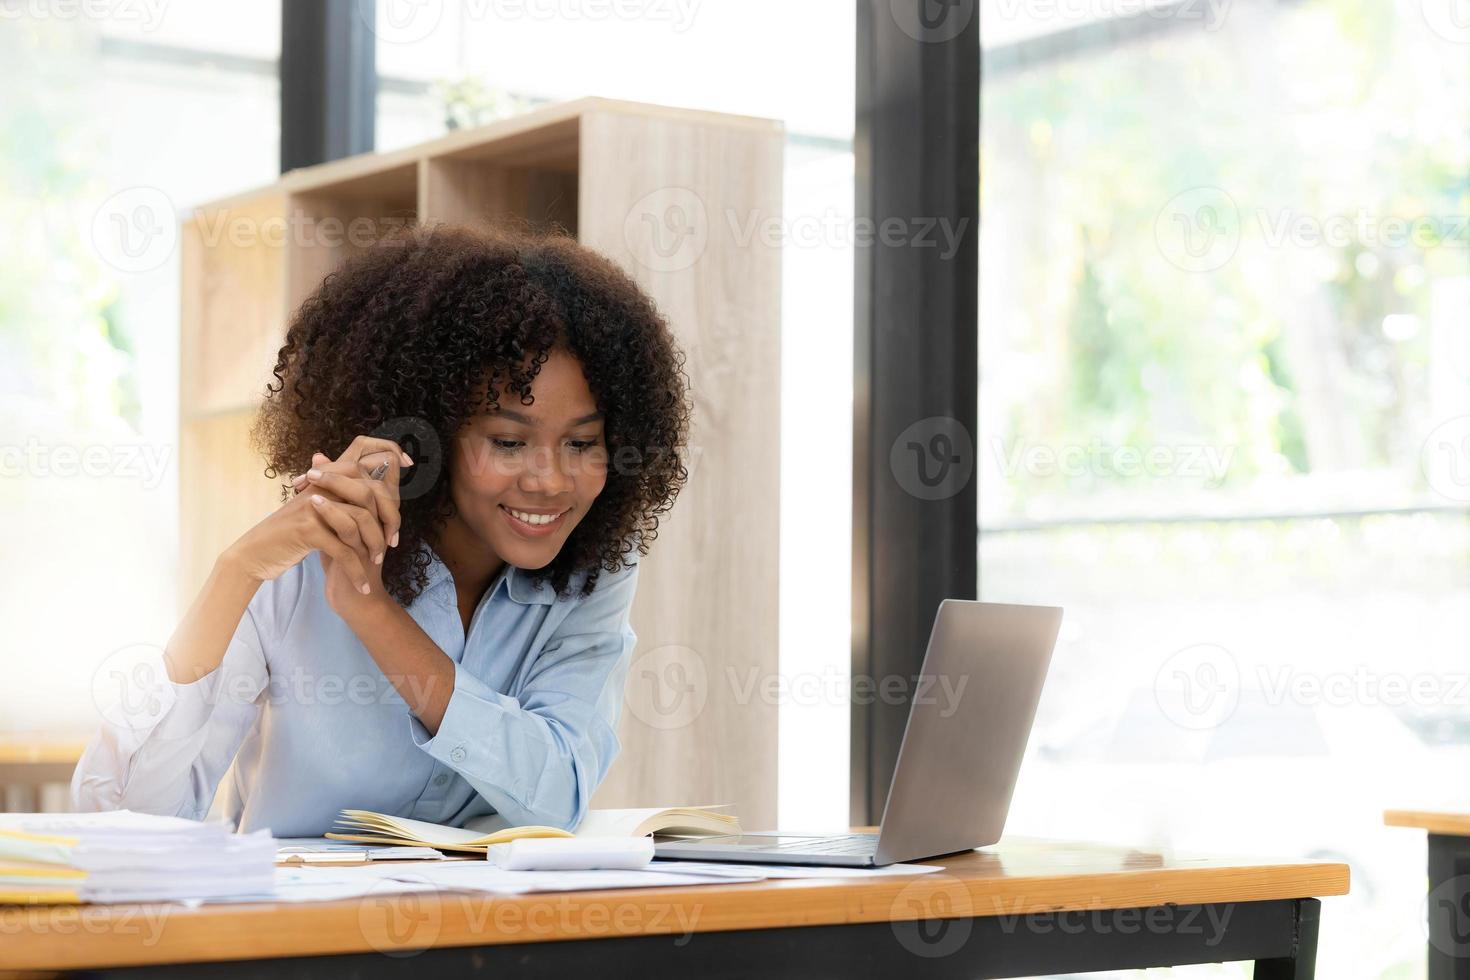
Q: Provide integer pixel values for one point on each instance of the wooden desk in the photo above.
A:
(1023, 908)
(1448, 905)
(28, 762)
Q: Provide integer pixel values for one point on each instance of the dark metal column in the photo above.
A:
(1301, 961)
(329, 80)
(1448, 907)
(917, 150)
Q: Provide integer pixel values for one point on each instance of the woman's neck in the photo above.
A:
(471, 562)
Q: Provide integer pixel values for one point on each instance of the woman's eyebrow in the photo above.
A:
(515, 416)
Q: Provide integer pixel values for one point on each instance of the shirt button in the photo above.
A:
(457, 755)
(441, 779)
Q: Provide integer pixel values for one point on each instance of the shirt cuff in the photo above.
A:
(488, 738)
(151, 706)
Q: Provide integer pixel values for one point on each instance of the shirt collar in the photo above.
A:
(519, 585)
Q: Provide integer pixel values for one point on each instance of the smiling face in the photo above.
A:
(524, 476)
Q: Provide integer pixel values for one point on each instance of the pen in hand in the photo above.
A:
(298, 483)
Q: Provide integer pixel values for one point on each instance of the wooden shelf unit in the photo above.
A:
(592, 167)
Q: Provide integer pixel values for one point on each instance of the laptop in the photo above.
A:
(969, 718)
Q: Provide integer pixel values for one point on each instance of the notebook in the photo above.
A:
(364, 827)
(315, 851)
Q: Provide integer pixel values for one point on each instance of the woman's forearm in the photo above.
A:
(419, 670)
(198, 645)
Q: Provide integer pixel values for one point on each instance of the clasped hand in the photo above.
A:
(345, 509)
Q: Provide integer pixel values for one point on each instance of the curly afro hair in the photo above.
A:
(429, 326)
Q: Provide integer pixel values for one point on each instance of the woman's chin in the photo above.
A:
(529, 555)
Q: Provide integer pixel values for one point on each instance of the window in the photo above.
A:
(1224, 409)
(109, 131)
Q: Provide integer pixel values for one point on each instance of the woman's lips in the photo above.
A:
(529, 530)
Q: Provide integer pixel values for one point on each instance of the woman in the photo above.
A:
(458, 647)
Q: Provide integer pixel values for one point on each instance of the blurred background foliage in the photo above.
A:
(1301, 361)
(65, 354)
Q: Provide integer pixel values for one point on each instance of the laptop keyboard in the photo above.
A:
(847, 844)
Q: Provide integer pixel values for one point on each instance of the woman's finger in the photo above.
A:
(381, 498)
(348, 488)
(380, 465)
(379, 460)
(377, 496)
(383, 466)
(389, 516)
(363, 445)
(336, 518)
(370, 531)
(348, 559)
(341, 520)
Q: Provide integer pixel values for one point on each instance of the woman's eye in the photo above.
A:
(582, 444)
(508, 445)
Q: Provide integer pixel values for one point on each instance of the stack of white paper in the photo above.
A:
(128, 857)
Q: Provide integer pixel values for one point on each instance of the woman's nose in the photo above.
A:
(548, 473)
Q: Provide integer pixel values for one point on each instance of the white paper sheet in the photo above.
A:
(312, 884)
(722, 868)
(294, 885)
(485, 877)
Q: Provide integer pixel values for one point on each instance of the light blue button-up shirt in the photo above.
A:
(299, 722)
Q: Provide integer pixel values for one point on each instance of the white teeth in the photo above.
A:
(521, 515)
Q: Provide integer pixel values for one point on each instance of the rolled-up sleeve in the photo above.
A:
(165, 747)
(538, 755)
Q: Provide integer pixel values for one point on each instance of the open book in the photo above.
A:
(364, 827)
